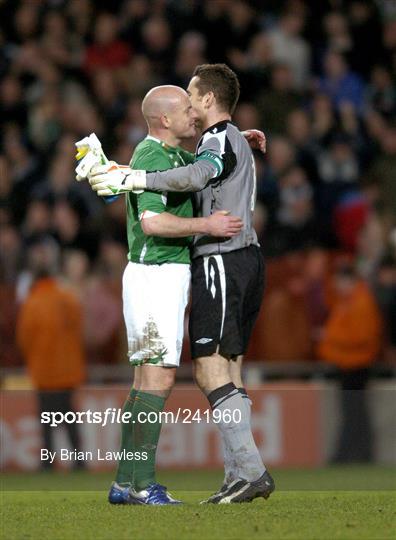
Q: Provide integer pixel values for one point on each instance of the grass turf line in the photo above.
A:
(287, 515)
(340, 477)
(316, 515)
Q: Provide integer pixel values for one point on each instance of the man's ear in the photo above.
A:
(165, 121)
(208, 100)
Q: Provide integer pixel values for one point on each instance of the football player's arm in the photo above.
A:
(256, 139)
(170, 226)
(194, 177)
(208, 166)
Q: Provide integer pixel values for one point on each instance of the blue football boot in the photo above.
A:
(154, 494)
(119, 494)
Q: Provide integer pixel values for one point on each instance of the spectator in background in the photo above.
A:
(45, 119)
(299, 131)
(350, 216)
(281, 157)
(75, 271)
(99, 295)
(290, 48)
(12, 105)
(381, 92)
(278, 101)
(58, 42)
(133, 14)
(37, 221)
(339, 83)
(246, 115)
(26, 22)
(11, 260)
(243, 24)
(365, 28)
(25, 171)
(111, 101)
(134, 127)
(295, 225)
(254, 65)
(389, 41)
(157, 43)
(323, 119)
(351, 340)
(385, 291)
(49, 334)
(6, 202)
(212, 21)
(107, 50)
(383, 170)
(316, 275)
(191, 52)
(139, 77)
(285, 326)
(337, 35)
(371, 243)
(68, 230)
(338, 170)
(81, 14)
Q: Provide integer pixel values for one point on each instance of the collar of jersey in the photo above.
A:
(222, 124)
(162, 143)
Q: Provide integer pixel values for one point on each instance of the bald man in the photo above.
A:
(156, 285)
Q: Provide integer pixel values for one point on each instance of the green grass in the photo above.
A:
(332, 503)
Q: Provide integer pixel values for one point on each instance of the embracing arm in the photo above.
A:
(167, 225)
(193, 177)
(113, 179)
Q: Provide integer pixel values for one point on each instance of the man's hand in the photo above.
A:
(113, 179)
(223, 225)
(256, 139)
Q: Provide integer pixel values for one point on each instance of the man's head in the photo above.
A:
(168, 113)
(43, 257)
(213, 87)
(345, 279)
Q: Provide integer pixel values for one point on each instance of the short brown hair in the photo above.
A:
(222, 81)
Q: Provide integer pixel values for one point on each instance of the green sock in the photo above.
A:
(145, 437)
(125, 467)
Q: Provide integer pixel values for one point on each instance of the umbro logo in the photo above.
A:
(204, 340)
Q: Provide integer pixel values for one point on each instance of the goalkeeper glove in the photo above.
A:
(89, 153)
(113, 179)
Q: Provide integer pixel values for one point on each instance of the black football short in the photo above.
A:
(227, 291)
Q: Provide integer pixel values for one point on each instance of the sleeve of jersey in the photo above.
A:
(150, 203)
(193, 177)
(210, 151)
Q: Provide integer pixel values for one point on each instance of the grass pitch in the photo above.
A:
(332, 503)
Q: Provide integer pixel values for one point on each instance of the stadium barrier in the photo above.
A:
(294, 424)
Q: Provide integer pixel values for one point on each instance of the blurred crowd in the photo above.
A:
(317, 77)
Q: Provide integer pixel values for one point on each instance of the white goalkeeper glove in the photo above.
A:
(89, 153)
(113, 179)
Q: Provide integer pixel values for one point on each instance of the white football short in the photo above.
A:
(154, 301)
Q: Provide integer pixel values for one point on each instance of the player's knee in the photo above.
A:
(211, 372)
(157, 379)
(168, 380)
(200, 377)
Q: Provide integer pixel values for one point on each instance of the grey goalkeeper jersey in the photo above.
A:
(224, 178)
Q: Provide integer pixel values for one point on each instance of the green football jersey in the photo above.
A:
(154, 155)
